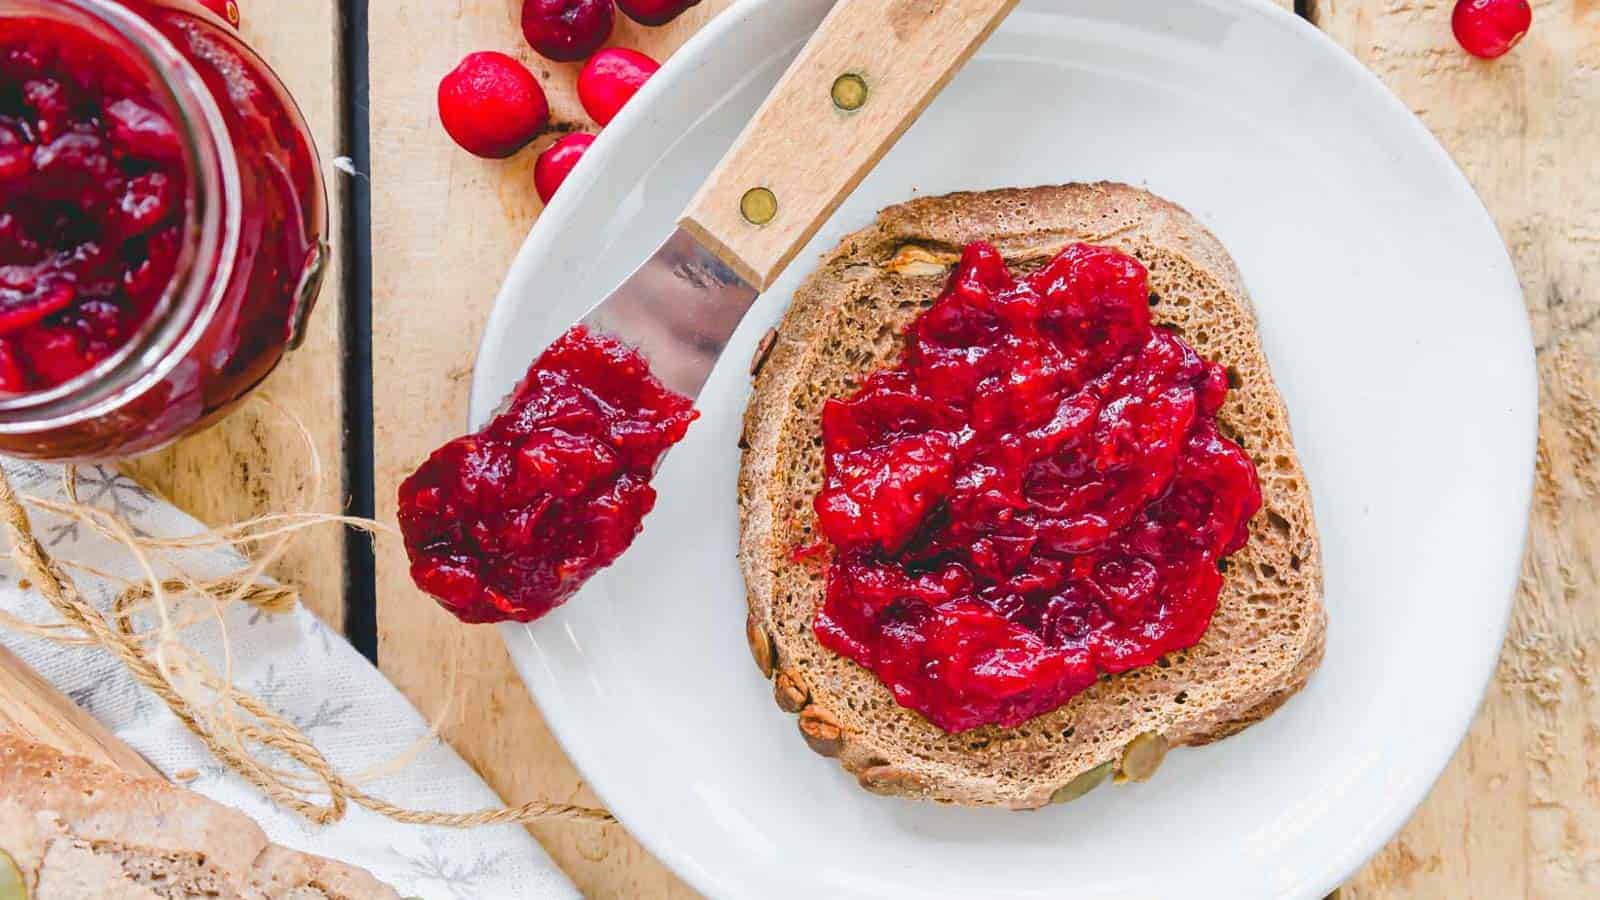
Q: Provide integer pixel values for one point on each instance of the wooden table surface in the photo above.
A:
(1518, 811)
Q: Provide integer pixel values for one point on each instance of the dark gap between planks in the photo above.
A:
(360, 584)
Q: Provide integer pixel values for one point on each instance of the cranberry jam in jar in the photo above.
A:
(162, 223)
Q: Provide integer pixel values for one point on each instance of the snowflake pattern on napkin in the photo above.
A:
(298, 666)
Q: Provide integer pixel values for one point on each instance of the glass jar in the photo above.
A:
(157, 173)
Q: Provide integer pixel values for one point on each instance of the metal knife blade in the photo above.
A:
(806, 148)
(678, 309)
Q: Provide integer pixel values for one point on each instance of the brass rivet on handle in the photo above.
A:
(849, 92)
(758, 205)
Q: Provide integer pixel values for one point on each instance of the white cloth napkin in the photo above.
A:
(307, 672)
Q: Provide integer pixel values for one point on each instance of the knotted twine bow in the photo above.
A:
(233, 724)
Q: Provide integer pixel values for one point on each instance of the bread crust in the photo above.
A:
(79, 829)
(845, 321)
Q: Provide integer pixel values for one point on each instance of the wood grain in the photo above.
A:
(31, 707)
(927, 44)
(446, 226)
(255, 460)
(1517, 814)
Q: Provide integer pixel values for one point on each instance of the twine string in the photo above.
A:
(234, 725)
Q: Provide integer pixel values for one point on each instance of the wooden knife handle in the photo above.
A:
(31, 707)
(864, 77)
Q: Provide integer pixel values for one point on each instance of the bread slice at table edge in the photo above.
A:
(74, 827)
(845, 321)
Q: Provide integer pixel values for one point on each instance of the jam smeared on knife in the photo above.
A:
(1035, 495)
(509, 522)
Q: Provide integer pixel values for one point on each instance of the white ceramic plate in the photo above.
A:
(1396, 330)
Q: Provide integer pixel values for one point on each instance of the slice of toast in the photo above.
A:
(846, 320)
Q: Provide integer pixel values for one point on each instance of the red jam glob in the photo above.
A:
(508, 523)
(1035, 495)
(161, 224)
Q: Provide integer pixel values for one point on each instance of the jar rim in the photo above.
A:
(211, 232)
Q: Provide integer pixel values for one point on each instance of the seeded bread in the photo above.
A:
(845, 321)
(77, 830)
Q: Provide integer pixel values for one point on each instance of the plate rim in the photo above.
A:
(1336, 867)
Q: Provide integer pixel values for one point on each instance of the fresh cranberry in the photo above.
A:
(556, 163)
(1036, 494)
(1490, 28)
(508, 523)
(91, 215)
(227, 9)
(492, 105)
(610, 79)
(655, 12)
(567, 30)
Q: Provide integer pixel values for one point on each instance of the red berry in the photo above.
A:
(1490, 28)
(567, 30)
(556, 163)
(227, 9)
(610, 79)
(492, 105)
(655, 12)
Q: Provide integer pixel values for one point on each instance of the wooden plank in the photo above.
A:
(1517, 814)
(446, 226)
(254, 461)
(31, 707)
